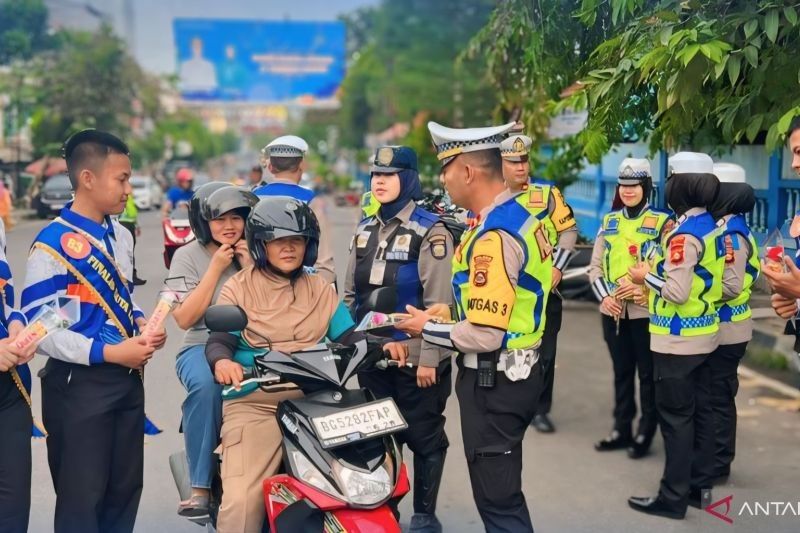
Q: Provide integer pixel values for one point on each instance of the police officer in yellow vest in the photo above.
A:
(625, 234)
(502, 273)
(544, 201)
(742, 268)
(130, 221)
(684, 290)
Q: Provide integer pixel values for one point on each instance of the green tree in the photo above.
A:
(89, 80)
(403, 63)
(23, 29)
(700, 73)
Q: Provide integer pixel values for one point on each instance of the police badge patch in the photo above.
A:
(481, 263)
(402, 243)
(385, 156)
(438, 245)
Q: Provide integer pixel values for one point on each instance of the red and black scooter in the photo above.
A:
(177, 231)
(342, 466)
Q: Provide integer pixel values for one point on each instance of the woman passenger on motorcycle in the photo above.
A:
(288, 309)
(217, 214)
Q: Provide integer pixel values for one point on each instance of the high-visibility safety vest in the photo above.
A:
(698, 315)
(537, 197)
(738, 309)
(626, 240)
(483, 293)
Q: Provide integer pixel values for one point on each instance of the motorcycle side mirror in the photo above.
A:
(383, 300)
(225, 318)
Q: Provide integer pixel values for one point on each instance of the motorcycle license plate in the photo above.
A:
(363, 422)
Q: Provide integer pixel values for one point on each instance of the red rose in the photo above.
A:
(633, 250)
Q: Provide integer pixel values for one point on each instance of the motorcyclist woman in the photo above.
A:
(289, 308)
(217, 214)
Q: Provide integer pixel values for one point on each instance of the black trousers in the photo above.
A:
(423, 410)
(131, 226)
(630, 352)
(683, 400)
(15, 458)
(724, 363)
(547, 352)
(95, 419)
(493, 423)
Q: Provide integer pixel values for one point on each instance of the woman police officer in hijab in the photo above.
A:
(406, 252)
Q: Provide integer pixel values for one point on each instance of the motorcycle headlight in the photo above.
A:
(310, 474)
(366, 488)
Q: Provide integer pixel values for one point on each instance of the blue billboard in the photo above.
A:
(259, 61)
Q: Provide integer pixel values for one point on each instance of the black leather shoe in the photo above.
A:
(543, 424)
(138, 281)
(640, 447)
(700, 498)
(655, 506)
(615, 441)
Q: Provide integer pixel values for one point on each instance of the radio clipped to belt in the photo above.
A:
(487, 369)
(519, 363)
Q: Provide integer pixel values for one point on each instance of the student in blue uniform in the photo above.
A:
(92, 391)
(15, 411)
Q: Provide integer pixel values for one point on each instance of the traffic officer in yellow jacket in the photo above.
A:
(502, 273)
(544, 201)
(626, 233)
(684, 290)
(742, 269)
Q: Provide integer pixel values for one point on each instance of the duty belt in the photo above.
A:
(511, 362)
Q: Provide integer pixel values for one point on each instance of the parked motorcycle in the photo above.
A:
(342, 465)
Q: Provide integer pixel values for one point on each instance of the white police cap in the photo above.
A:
(729, 173)
(286, 146)
(450, 142)
(515, 147)
(632, 171)
(691, 163)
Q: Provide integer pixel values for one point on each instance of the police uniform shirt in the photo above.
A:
(500, 281)
(681, 256)
(563, 219)
(47, 279)
(434, 268)
(732, 285)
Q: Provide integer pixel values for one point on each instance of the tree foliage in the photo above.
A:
(402, 64)
(697, 73)
(23, 29)
(88, 80)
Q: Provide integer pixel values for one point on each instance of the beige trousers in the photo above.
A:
(251, 452)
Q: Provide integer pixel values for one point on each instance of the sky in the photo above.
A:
(149, 30)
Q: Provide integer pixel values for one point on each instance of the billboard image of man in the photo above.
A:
(197, 74)
(231, 74)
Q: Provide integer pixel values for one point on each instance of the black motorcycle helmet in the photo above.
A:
(275, 217)
(196, 221)
(228, 199)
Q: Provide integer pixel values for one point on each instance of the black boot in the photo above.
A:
(700, 498)
(542, 424)
(427, 477)
(655, 506)
(640, 446)
(617, 440)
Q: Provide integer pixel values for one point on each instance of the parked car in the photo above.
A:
(55, 194)
(147, 192)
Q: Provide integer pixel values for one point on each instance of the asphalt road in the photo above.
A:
(569, 486)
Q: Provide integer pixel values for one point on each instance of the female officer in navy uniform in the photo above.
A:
(408, 251)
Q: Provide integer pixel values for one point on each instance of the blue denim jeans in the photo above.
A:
(202, 414)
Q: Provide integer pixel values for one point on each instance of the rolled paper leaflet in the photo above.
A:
(47, 322)
(164, 306)
(374, 320)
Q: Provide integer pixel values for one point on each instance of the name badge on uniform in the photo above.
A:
(402, 244)
(536, 197)
(377, 272)
(362, 239)
(648, 226)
